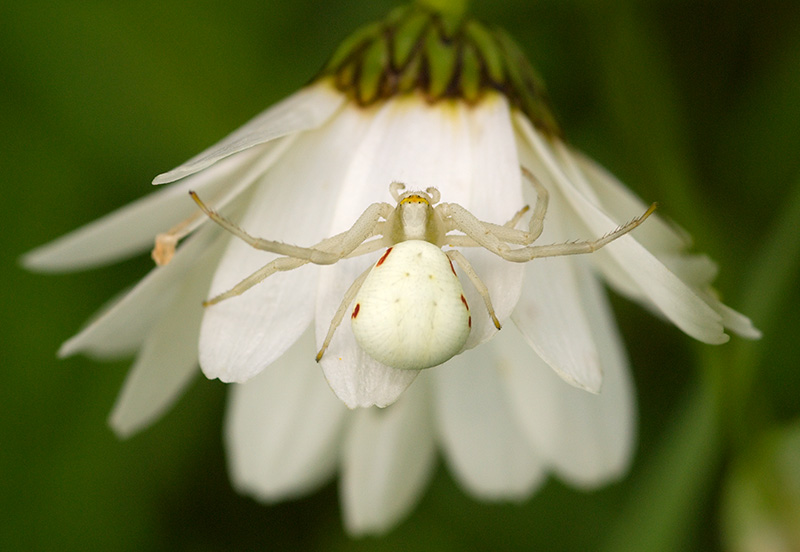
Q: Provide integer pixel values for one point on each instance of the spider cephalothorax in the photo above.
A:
(409, 310)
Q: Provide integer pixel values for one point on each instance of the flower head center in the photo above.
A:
(441, 55)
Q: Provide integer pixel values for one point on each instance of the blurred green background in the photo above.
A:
(693, 104)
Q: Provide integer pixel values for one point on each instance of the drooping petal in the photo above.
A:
(387, 460)
(495, 196)
(304, 110)
(676, 300)
(665, 240)
(699, 271)
(168, 358)
(132, 229)
(483, 443)
(587, 438)
(734, 320)
(292, 203)
(552, 317)
(124, 324)
(283, 428)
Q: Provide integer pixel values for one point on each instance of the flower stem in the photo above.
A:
(663, 508)
(774, 273)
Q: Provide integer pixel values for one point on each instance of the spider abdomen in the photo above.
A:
(410, 312)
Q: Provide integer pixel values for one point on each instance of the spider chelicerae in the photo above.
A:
(409, 307)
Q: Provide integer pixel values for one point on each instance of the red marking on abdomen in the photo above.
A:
(464, 300)
(355, 310)
(380, 261)
(451, 267)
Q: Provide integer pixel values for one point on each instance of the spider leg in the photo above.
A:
(539, 210)
(529, 253)
(518, 215)
(463, 263)
(370, 246)
(498, 239)
(490, 236)
(349, 295)
(455, 240)
(497, 236)
(577, 248)
(341, 245)
(283, 264)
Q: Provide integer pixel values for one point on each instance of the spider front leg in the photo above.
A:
(492, 237)
(529, 253)
(495, 235)
(328, 251)
(334, 249)
(284, 264)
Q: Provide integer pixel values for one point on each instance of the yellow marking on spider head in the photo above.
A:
(414, 198)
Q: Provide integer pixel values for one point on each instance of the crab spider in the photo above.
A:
(410, 312)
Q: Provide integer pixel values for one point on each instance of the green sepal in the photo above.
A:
(487, 49)
(353, 43)
(525, 81)
(470, 74)
(376, 57)
(450, 24)
(441, 60)
(409, 77)
(443, 55)
(408, 37)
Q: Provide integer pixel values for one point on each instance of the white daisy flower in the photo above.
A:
(429, 100)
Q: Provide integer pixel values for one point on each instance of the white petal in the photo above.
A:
(550, 314)
(735, 321)
(483, 443)
(167, 361)
(552, 317)
(678, 302)
(132, 229)
(304, 110)
(587, 438)
(495, 196)
(663, 238)
(699, 271)
(242, 335)
(387, 460)
(128, 320)
(283, 428)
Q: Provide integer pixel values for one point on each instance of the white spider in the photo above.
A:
(410, 312)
